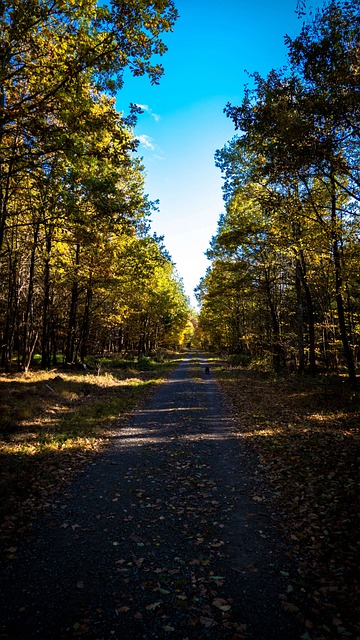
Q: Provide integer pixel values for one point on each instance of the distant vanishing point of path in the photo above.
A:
(159, 538)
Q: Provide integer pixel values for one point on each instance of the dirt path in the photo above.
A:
(160, 538)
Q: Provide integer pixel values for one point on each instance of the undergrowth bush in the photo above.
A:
(239, 359)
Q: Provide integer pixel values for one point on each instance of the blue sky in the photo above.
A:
(183, 123)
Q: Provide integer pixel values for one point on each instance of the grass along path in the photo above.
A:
(307, 435)
(52, 422)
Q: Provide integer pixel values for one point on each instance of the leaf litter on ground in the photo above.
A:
(307, 436)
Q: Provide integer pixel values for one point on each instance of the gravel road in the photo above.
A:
(163, 536)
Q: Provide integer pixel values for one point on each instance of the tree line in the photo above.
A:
(80, 272)
(283, 287)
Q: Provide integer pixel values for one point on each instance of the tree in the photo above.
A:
(301, 131)
(49, 51)
(71, 192)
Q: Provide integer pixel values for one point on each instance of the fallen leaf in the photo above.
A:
(207, 622)
(153, 606)
(221, 604)
(139, 562)
(288, 606)
(216, 544)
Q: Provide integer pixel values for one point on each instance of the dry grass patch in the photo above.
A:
(53, 422)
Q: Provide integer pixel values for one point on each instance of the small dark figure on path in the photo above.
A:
(207, 369)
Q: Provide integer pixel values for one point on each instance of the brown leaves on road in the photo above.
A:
(186, 591)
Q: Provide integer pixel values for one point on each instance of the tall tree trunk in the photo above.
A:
(278, 351)
(301, 279)
(338, 288)
(299, 317)
(3, 177)
(142, 336)
(71, 333)
(27, 329)
(45, 352)
(85, 324)
(311, 315)
(11, 311)
(32, 346)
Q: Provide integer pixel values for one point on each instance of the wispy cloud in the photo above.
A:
(146, 141)
(145, 107)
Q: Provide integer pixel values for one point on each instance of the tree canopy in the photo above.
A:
(285, 257)
(79, 271)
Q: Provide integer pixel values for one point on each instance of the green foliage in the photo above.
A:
(239, 359)
(80, 272)
(285, 254)
(145, 364)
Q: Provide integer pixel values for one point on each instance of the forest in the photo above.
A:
(94, 315)
(80, 272)
(283, 288)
